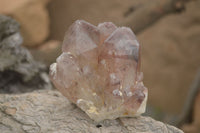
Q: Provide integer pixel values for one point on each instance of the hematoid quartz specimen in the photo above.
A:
(99, 71)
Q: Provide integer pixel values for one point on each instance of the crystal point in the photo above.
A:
(99, 71)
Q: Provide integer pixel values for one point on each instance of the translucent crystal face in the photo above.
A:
(99, 71)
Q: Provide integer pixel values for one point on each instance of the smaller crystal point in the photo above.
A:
(106, 29)
(99, 71)
(80, 38)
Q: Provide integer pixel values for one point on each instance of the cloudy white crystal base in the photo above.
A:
(104, 113)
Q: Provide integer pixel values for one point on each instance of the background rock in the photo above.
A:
(33, 17)
(19, 72)
(49, 111)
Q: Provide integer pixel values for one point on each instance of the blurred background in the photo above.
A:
(168, 31)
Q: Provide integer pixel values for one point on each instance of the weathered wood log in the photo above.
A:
(47, 111)
(187, 110)
(151, 12)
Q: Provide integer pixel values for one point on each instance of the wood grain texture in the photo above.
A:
(47, 111)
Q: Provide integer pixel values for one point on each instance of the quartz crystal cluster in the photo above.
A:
(99, 71)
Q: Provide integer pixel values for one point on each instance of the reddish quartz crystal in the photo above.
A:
(99, 71)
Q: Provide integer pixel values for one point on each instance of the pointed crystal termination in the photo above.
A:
(99, 71)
